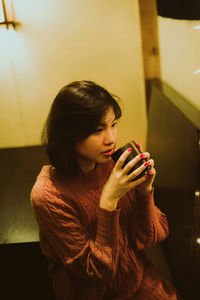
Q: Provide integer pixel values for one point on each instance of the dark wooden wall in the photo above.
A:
(173, 141)
(179, 9)
(24, 273)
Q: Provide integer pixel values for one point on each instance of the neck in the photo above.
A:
(85, 166)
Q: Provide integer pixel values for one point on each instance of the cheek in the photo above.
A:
(97, 142)
(93, 144)
(115, 133)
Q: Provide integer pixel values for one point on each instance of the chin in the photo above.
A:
(104, 160)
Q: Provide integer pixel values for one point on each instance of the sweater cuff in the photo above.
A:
(146, 202)
(108, 227)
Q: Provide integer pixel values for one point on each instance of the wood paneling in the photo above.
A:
(19, 166)
(173, 141)
(150, 42)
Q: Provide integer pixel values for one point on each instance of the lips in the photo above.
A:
(108, 152)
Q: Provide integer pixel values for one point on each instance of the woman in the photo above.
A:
(94, 219)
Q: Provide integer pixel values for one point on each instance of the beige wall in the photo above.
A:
(180, 56)
(65, 40)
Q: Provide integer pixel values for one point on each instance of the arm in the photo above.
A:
(84, 256)
(149, 225)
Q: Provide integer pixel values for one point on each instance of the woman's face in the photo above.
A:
(98, 147)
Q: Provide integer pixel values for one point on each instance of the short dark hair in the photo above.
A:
(76, 112)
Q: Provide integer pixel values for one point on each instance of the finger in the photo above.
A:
(152, 172)
(120, 162)
(133, 162)
(146, 155)
(151, 176)
(139, 146)
(139, 181)
(151, 162)
(137, 172)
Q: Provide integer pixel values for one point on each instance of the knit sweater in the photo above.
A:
(94, 253)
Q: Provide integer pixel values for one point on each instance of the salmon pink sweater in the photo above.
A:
(93, 253)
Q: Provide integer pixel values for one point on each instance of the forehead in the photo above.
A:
(109, 116)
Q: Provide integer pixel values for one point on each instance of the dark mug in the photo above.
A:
(135, 151)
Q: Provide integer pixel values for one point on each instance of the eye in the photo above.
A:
(98, 130)
(114, 124)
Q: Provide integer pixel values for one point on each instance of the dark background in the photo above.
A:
(179, 9)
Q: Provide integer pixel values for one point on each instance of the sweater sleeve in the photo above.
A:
(94, 258)
(149, 225)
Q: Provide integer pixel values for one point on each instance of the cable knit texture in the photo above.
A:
(94, 253)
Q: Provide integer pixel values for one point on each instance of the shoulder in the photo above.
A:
(45, 188)
(50, 198)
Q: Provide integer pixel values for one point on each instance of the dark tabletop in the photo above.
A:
(19, 169)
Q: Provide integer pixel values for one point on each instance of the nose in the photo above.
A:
(110, 137)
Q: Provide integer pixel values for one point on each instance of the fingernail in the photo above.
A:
(129, 149)
(146, 176)
(146, 163)
(138, 143)
(142, 155)
(150, 172)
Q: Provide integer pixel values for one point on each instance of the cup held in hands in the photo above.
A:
(135, 151)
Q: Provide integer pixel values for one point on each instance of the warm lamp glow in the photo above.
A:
(7, 14)
(197, 71)
(198, 240)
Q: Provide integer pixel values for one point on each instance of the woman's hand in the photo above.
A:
(120, 182)
(146, 187)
